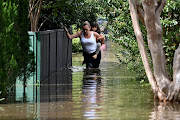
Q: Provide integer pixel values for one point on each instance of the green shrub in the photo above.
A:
(16, 58)
(76, 45)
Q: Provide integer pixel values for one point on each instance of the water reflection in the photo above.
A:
(61, 99)
(92, 93)
(56, 96)
(58, 87)
(165, 111)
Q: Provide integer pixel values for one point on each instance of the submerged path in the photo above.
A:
(110, 92)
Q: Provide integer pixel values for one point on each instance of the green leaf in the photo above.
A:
(9, 28)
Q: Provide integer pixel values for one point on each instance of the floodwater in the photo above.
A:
(110, 92)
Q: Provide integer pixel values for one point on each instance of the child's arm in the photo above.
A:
(102, 38)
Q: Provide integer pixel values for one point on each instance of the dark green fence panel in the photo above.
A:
(56, 52)
(53, 52)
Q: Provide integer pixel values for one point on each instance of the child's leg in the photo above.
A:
(98, 47)
(97, 50)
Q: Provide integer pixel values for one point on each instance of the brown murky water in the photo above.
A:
(110, 93)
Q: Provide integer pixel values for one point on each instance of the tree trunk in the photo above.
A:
(154, 36)
(149, 13)
(139, 37)
(175, 85)
(34, 13)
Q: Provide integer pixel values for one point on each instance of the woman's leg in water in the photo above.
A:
(96, 62)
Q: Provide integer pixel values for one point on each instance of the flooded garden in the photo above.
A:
(110, 92)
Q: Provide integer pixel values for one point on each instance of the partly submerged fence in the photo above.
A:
(53, 51)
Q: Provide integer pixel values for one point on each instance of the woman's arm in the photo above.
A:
(73, 35)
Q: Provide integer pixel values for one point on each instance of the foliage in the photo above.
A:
(76, 44)
(120, 24)
(26, 61)
(171, 22)
(16, 58)
(58, 13)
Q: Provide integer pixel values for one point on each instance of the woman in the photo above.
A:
(88, 42)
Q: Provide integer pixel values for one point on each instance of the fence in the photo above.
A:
(53, 51)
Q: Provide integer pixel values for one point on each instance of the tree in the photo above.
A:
(58, 13)
(170, 21)
(149, 12)
(25, 56)
(17, 60)
(8, 64)
(53, 14)
(34, 13)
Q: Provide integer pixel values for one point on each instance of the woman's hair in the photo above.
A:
(95, 24)
(86, 23)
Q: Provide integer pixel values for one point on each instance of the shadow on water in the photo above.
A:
(110, 92)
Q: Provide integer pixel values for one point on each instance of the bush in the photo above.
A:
(16, 58)
(76, 43)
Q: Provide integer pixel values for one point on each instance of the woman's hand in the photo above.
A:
(71, 36)
(67, 33)
(65, 29)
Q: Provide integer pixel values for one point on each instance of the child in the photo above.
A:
(101, 39)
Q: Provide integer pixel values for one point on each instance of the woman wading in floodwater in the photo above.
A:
(89, 45)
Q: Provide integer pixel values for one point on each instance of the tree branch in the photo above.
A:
(176, 65)
(175, 85)
(39, 10)
(140, 14)
(43, 22)
(140, 11)
(34, 13)
(36, 16)
(142, 49)
(155, 45)
(161, 7)
(32, 6)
